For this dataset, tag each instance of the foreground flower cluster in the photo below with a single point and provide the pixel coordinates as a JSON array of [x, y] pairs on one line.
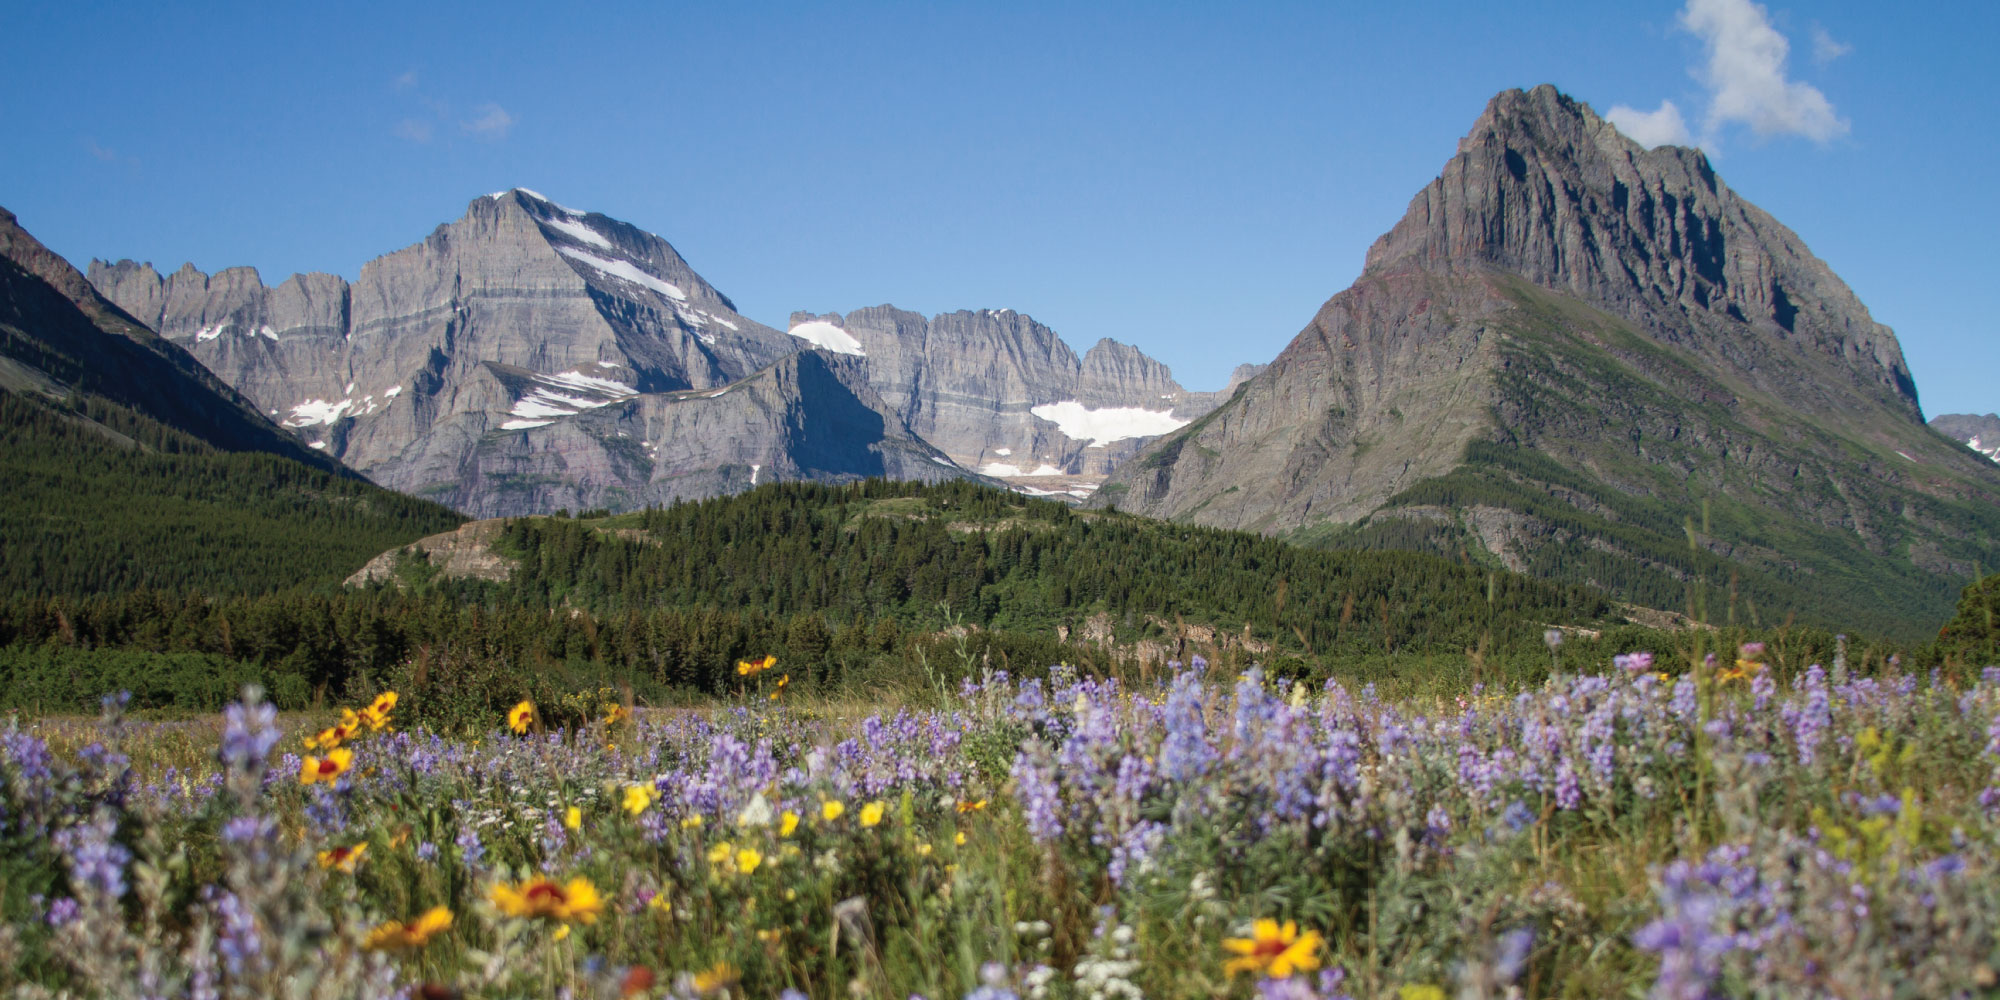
[[1679, 830]]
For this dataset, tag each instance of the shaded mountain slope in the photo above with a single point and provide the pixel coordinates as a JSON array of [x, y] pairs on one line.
[[1598, 363]]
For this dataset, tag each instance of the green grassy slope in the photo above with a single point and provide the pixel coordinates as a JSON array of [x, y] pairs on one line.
[[96, 498]]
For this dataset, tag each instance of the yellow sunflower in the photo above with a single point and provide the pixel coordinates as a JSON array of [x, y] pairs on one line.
[[521, 716], [545, 899], [1274, 950], [394, 935], [329, 768]]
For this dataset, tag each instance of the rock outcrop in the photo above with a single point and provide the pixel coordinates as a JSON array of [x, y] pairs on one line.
[[388, 373], [499, 333], [1001, 393], [63, 342], [1980, 433], [1608, 352]]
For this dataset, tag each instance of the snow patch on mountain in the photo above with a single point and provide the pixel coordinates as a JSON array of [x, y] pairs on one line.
[[578, 232], [625, 270], [822, 334], [1991, 451], [1103, 426], [318, 411], [565, 394]]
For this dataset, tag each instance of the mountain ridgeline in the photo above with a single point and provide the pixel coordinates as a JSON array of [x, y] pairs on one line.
[[1597, 363], [125, 464], [530, 357]]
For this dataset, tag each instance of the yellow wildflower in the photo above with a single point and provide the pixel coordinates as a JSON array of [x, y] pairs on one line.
[[543, 898], [639, 798], [521, 716], [747, 668], [716, 978], [691, 822], [959, 838], [573, 818], [787, 823], [871, 813], [617, 714], [971, 807], [337, 762], [395, 935], [720, 852], [748, 859], [1274, 950], [343, 858], [831, 809]]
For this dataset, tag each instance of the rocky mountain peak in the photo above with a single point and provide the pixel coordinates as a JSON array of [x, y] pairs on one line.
[[1544, 188]]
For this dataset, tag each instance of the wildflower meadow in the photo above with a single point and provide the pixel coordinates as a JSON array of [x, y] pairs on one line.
[[1642, 828]]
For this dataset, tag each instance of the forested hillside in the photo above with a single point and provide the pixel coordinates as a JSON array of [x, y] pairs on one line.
[[998, 559], [96, 498]]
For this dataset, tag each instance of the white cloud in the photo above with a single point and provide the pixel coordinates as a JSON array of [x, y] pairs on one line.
[[101, 152], [1745, 74], [1743, 70], [413, 129], [1664, 127], [491, 122], [407, 80], [1825, 49]]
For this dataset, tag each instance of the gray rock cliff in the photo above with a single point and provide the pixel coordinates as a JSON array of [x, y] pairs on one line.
[[1574, 355]]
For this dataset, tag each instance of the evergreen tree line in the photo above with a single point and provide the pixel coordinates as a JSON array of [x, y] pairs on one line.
[[96, 498]]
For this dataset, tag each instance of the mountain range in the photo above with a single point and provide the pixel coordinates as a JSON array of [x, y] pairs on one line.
[[530, 357], [125, 464], [1980, 433], [1573, 357], [1595, 362]]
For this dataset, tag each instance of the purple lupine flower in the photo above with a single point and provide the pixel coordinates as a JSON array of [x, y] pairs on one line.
[[96, 860], [1569, 792], [470, 850], [1813, 719], [61, 911], [237, 939], [249, 733], [1041, 802]]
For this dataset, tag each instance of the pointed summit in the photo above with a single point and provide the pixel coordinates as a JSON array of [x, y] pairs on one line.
[[1570, 349]]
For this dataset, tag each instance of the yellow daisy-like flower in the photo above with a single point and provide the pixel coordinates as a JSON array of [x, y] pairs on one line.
[[720, 852], [521, 716], [832, 809], [639, 798], [691, 822], [395, 935], [329, 768], [617, 714], [788, 823], [343, 858], [871, 813], [716, 978], [573, 818], [971, 807], [545, 899], [748, 668], [1274, 950], [384, 704], [959, 838], [748, 859], [329, 738]]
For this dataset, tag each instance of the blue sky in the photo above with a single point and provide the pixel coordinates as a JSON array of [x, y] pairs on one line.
[[1191, 178]]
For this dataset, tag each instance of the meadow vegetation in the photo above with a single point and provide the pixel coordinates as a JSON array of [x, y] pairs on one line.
[[1653, 825]]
